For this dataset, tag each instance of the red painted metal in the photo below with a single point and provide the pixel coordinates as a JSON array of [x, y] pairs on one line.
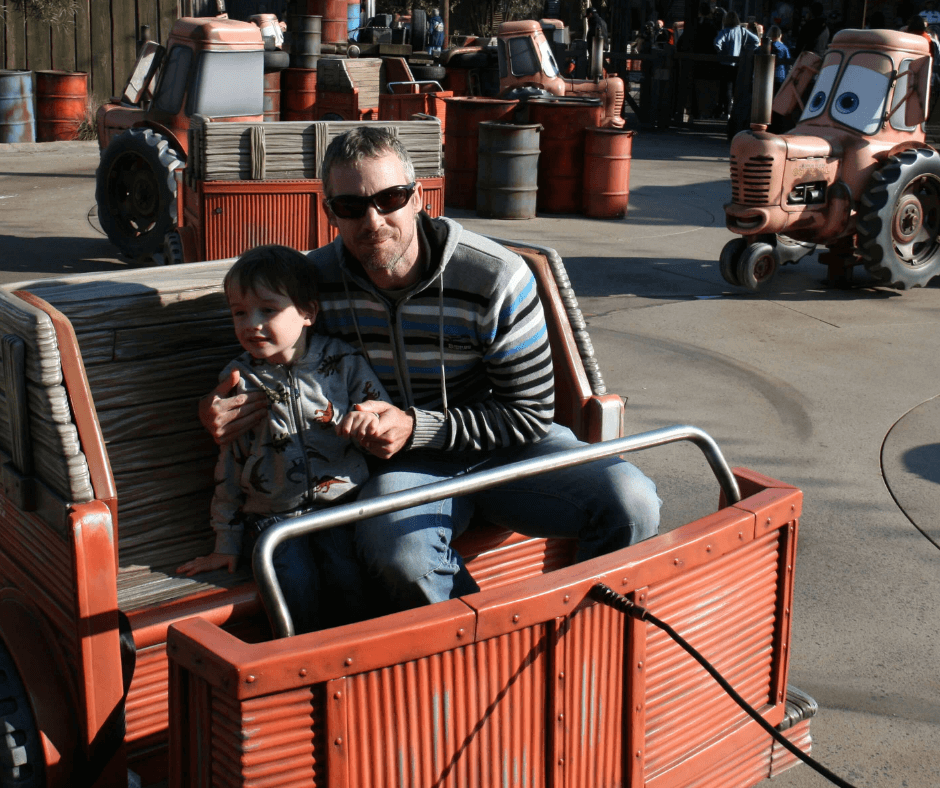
[[298, 94], [561, 164], [230, 217], [334, 27], [61, 104], [461, 140], [530, 684], [607, 155], [272, 97]]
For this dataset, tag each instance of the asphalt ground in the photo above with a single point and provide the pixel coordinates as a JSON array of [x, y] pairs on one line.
[[832, 390]]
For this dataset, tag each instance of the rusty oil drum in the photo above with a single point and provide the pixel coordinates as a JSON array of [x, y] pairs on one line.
[[335, 26], [61, 104], [464, 116], [507, 177], [17, 121], [607, 154], [298, 94], [272, 97], [561, 164], [306, 33]]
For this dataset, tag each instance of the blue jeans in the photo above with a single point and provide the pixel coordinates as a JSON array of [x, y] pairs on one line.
[[319, 574], [606, 505]]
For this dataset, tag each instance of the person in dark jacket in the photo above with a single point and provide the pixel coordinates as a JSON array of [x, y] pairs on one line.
[[814, 34]]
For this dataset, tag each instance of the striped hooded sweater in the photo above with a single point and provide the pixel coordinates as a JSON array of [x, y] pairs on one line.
[[465, 349]]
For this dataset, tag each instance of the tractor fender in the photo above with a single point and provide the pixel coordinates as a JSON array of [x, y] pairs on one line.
[[53, 699], [168, 134], [840, 209], [903, 146]]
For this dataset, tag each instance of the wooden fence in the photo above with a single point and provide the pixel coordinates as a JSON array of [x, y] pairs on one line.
[[99, 37]]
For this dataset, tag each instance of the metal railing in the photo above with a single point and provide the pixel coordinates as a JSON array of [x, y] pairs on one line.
[[263, 557]]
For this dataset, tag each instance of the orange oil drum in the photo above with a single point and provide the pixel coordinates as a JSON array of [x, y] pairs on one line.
[[298, 94], [272, 97], [607, 154], [461, 141], [61, 104], [561, 164], [334, 27]]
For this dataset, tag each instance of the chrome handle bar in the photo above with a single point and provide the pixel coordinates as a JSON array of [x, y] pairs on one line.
[[263, 556]]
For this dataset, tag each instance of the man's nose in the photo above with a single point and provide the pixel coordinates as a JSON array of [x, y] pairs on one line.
[[373, 218]]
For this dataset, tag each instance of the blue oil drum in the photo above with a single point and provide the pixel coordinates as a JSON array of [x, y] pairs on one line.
[[507, 170], [352, 14], [17, 115]]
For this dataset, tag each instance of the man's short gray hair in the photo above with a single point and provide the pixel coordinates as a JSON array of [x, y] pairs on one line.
[[364, 142]]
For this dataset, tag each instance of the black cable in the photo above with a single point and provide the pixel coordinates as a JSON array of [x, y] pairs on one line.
[[608, 596]]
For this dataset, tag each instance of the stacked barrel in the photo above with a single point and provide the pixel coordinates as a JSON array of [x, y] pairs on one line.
[[51, 111], [299, 82], [549, 155]]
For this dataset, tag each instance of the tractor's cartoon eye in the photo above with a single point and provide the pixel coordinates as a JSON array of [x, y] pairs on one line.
[[817, 101], [847, 103]]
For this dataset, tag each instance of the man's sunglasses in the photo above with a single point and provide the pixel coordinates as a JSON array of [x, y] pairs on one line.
[[352, 206]]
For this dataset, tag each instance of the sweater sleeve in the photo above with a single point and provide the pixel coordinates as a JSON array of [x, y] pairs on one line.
[[517, 362], [228, 496]]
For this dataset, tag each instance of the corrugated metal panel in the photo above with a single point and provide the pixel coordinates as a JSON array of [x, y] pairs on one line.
[[592, 748], [470, 717], [238, 222], [29, 543], [747, 765], [727, 608], [147, 699], [530, 557], [799, 735], [272, 741]]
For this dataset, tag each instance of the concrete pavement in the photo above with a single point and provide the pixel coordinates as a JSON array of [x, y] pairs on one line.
[[833, 391]]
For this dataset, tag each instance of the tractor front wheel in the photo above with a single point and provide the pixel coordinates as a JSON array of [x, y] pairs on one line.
[[899, 220], [136, 191], [757, 266], [21, 759], [728, 260]]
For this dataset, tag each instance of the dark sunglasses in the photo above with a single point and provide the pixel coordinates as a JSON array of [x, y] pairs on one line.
[[352, 206]]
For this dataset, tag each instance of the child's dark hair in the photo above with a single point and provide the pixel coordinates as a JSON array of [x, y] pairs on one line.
[[279, 268]]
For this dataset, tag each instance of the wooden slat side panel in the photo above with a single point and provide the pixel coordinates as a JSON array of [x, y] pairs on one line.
[[275, 741], [594, 696], [727, 610], [471, 716]]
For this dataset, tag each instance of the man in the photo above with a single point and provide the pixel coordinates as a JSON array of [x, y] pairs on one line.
[[435, 32], [452, 325], [814, 34]]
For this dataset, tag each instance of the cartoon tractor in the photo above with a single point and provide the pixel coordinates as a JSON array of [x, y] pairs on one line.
[[855, 175]]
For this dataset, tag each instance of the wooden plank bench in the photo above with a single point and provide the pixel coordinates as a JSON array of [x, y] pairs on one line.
[[115, 492]]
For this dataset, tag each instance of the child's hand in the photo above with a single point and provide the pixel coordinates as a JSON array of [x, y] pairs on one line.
[[384, 432], [207, 563], [358, 424]]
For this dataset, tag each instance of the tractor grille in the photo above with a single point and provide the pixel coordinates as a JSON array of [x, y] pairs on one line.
[[750, 180]]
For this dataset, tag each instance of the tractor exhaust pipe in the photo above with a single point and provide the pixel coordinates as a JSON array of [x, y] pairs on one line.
[[762, 97]]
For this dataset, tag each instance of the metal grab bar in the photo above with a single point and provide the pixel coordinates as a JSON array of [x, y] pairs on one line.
[[263, 556], [414, 82]]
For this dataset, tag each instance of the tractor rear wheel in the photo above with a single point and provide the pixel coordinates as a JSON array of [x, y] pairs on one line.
[[899, 220], [136, 191]]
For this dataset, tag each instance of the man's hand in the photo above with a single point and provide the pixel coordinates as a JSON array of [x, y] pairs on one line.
[[227, 418], [380, 428], [207, 563]]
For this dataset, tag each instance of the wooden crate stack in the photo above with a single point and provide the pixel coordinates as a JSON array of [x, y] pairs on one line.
[[362, 74], [294, 149]]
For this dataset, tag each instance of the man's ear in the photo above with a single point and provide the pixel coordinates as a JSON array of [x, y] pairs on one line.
[[419, 198], [329, 215]]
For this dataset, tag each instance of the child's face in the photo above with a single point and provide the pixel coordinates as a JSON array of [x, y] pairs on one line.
[[268, 325]]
